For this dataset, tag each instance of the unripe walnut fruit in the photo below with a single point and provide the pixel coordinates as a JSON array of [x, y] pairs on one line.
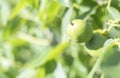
[[95, 42], [79, 31]]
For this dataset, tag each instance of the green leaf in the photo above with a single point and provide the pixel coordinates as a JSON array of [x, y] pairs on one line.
[[60, 71], [50, 66], [41, 73], [8, 52], [36, 3], [5, 13], [113, 13], [21, 4], [80, 69], [55, 53], [3, 75], [43, 57], [48, 11], [11, 28], [30, 39], [65, 21], [98, 18], [26, 73], [18, 42], [110, 64], [64, 2]]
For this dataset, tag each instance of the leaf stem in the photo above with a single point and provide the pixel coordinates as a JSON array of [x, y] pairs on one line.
[[108, 5], [99, 60], [90, 75]]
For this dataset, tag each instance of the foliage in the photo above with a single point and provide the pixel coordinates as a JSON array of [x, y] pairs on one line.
[[34, 43]]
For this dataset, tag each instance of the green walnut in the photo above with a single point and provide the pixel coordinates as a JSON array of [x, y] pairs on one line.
[[79, 31], [95, 42]]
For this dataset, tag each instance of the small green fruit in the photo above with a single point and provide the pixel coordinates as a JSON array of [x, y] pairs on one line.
[[95, 42], [79, 31]]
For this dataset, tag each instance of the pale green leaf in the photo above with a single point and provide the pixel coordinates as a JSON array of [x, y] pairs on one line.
[[41, 73], [48, 11], [21, 4], [113, 13], [65, 21], [111, 62], [80, 69], [5, 13], [64, 2], [55, 53]]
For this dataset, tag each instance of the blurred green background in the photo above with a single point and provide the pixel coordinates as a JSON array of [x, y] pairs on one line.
[[33, 38]]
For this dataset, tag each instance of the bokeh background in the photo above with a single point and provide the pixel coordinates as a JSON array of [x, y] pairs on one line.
[[33, 37]]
